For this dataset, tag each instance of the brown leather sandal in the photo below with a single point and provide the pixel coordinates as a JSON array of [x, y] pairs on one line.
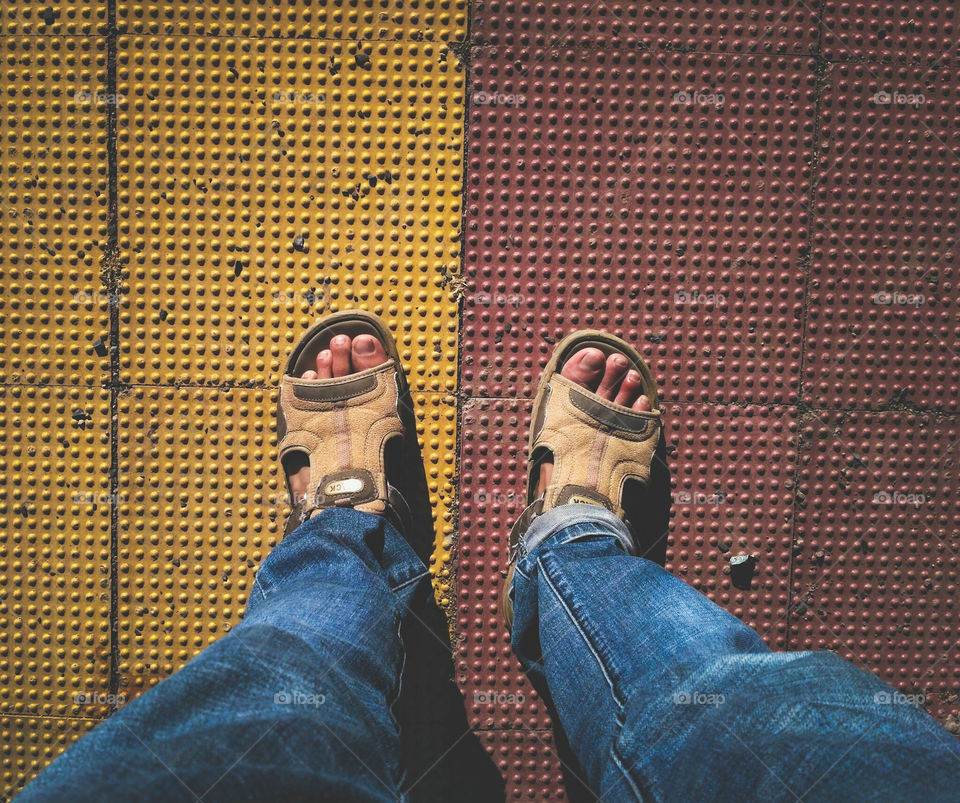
[[342, 425], [598, 446]]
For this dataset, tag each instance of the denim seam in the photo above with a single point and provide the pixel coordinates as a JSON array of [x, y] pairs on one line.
[[583, 635], [619, 722], [405, 583], [402, 779], [615, 756]]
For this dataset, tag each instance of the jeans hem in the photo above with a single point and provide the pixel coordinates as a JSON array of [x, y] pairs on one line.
[[546, 525]]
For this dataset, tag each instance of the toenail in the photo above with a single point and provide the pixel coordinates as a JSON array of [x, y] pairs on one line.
[[340, 340], [365, 346], [593, 361], [619, 359]]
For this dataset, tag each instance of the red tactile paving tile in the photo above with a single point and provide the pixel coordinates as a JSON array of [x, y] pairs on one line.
[[661, 196], [883, 308], [917, 32], [732, 478], [528, 762], [945, 708], [876, 558], [492, 488], [760, 26], [732, 473]]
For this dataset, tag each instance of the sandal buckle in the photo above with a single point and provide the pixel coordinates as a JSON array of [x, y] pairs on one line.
[[346, 489]]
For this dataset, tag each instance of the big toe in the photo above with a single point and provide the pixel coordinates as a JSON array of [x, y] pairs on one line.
[[585, 367], [368, 352]]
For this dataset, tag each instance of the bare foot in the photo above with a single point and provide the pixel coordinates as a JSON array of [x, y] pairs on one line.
[[345, 356], [609, 378]]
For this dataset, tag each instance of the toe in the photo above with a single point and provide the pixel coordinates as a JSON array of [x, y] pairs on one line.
[[616, 367], [324, 365], [368, 352], [309, 375], [642, 404], [340, 351], [629, 389], [585, 368]]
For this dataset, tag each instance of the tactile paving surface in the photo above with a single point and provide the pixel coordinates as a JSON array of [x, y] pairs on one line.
[[54, 550], [528, 762], [352, 20], [492, 475], [200, 508], [51, 18], [886, 31], [263, 182], [876, 566], [28, 744], [884, 314], [708, 206], [732, 472], [640, 208], [762, 26], [53, 211]]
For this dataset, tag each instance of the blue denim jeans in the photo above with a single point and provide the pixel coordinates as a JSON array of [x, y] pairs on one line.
[[663, 695], [293, 704], [660, 693]]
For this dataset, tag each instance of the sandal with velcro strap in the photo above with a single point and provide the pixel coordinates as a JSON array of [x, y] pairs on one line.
[[343, 426], [598, 447]]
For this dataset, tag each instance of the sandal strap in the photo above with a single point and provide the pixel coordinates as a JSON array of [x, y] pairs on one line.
[[397, 512], [530, 512], [344, 425], [597, 445]]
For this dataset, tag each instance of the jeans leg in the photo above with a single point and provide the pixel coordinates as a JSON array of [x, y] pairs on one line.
[[663, 695], [293, 704]]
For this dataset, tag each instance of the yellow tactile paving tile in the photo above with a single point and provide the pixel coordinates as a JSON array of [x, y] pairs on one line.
[[28, 744], [55, 507], [198, 485], [263, 182], [202, 504], [412, 20], [53, 211], [52, 17]]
